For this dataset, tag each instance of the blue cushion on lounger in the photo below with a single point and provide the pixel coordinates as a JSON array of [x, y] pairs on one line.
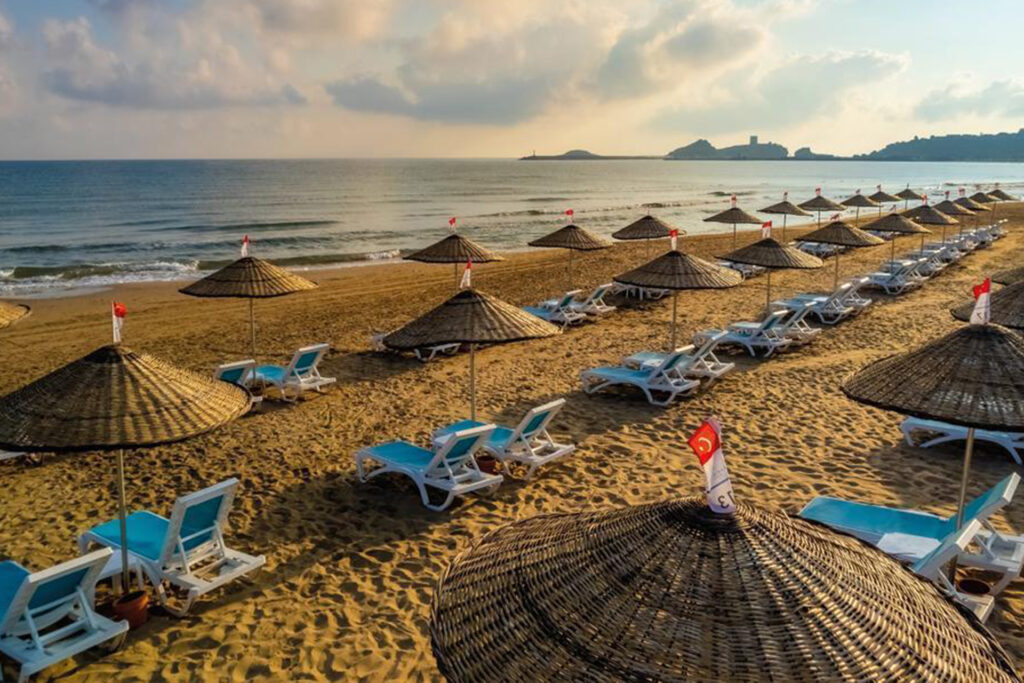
[[146, 533], [12, 575], [403, 453], [274, 373]]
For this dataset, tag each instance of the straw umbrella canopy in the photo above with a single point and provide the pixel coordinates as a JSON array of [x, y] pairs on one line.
[[454, 249], [1000, 195], [951, 208], [907, 195], [928, 215], [11, 313], [843, 235], [769, 254], [858, 202], [882, 197], [670, 591], [973, 377], [819, 204], [574, 238], [1007, 307], [248, 278], [734, 215], [785, 208], [113, 399], [1010, 276], [470, 317], [988, 198], [970, 204], [646, 228], [678, 271], [895, 223]]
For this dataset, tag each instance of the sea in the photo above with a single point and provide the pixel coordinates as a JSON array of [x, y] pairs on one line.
[[70, 226]]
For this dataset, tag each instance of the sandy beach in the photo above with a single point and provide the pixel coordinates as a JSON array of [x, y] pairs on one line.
[[351, 567]]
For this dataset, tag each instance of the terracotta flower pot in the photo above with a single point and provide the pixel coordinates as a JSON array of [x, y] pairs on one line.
[[487, 463], [134, 608]]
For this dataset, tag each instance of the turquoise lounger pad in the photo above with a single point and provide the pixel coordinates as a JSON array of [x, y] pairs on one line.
[[873, 519], [402, 453], [542, 313], [746, 325], [146, 532], [12, 575], [499, 437], [622, 374], [272, 373]]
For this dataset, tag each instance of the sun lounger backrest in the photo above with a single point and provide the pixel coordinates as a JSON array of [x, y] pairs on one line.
[[198, 518], [567, 298], [236, 373], [458, 447], [537, 419], [990, 502], [598, 293], [930, 566], [306, 359], [708, 346], [772, 319], [50, 595]]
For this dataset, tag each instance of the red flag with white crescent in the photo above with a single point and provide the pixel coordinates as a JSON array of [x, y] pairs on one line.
[[982, 312], [245, 246], [569, 213], [467, 276], [706, 443], [766, 229], [674, 236], [118, 311], [451, 223]]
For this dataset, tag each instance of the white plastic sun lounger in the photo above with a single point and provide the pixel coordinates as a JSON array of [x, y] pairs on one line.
[[559, 314], [528, 442], [699, 363], [747, 271], [594, 304], [641, 293], [942, 432], [762, 336], [932, 567], [897, 280], [301, 374], [910, 535], [242, 373], [795, 326], [663, 379], [47, 617], [827, 308], [186, 551], [424, 354], [451, 467]]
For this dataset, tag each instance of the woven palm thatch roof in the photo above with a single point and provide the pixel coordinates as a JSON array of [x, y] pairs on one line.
[[454, 249], [952, 208], [572, 237], [928, 215], [768, 253], [470, 317], [11, 313], [785, 207], [1009, 276], [882, 197], [970, 204], [820, 203], [859, 200], [115, 398], [842, 234], [734, 215], [973, 377], [1001, 196], [894, 222], [676, 270], [671, 592], [646, 228], [248, 278], [1007, 307], [983, 197], [907, 193]]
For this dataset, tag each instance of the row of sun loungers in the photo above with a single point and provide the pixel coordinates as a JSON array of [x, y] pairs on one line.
[[301, 374], [569, 310]]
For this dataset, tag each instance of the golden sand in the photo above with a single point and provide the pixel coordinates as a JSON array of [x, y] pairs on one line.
[[351, 567]]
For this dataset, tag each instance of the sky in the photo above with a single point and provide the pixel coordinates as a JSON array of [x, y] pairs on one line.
[[496, 78]]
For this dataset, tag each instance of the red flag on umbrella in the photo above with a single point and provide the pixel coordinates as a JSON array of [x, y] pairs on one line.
[[674, 236], [834, 217], [706, 442], [766, 229], [245, 246], [118, 311], [451, 222], [467, 275], [817, 191], [982, 312], [569, 213], [732, 200]]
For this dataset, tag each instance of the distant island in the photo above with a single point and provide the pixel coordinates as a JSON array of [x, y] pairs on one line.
[[982, 147]]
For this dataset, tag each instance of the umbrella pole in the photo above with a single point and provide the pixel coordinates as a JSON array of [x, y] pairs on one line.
[[675, 308], [472, 381], [455, 270], [570, 269], [892, 248], [252, 325], [733, 235], [784, 217], [922, 244], [768, 290], [968, 452], [835, 283], [123, 515]]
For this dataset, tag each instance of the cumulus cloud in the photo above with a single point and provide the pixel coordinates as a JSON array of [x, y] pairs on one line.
[[800, 89], [998, 98], [359, 19]]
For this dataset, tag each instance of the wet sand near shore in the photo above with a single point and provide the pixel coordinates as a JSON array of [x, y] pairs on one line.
[[351, 567]]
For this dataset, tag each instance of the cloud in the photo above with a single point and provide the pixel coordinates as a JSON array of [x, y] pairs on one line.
[[798, 90], [358, 19], [998, 98]]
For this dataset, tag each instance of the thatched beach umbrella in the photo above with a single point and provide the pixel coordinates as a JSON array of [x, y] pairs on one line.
[[1007, 307], [678, 271], [11, 313], [673, 592], [907, 194], [734, 215], [785, 208], [454, 249], [987, 198], [882, 197], [1010, 276], [646, 228], [842, 235], [574, 238], [819, 204], [1000, 195], [974, 207], [973, 377], [859, 201], [114, 399], [248, 278], [897, 224], [470, 317], [928, 215], [951, 208], [769, 254]]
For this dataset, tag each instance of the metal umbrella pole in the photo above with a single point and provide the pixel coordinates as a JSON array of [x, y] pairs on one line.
[[252, 324], [123, 515], [768, 290], [472, 381], [675, 305], [968, 452]]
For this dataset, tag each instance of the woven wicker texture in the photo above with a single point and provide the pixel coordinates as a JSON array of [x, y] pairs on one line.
[[984, 197], [470, 317], [907, 193], [838, 232], [768, 253], [882, 197], [646, 228], [1007, 307], [454, 249], [115, 398], [734, 215], [571, 237], [820, 203], [1001, 196], [894, 222], [970, 204], [785, 207], [928, 215], [248, 278], [676, 270], [859, 200], [1010, 276], [11, 313], [951, 208], [670, 592], [973, 376]]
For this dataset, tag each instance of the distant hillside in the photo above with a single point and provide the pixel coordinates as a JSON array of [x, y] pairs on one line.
[[702, 150], [984, 147], [579, 155]]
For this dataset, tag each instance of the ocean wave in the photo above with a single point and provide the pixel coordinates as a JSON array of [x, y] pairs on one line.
[[85, 270], [723, 193], [242, 227], [547, 199]]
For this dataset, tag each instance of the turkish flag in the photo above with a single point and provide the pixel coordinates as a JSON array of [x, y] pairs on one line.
[[451, 221], [569, 213], [674, 234], [705, 442]]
